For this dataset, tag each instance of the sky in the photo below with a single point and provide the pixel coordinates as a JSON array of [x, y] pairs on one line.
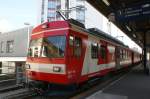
[[14, 13]]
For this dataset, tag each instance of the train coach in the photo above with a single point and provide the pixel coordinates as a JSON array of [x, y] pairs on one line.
[[65, 53]]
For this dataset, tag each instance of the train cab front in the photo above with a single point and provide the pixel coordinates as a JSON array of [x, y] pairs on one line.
[[46, 59]]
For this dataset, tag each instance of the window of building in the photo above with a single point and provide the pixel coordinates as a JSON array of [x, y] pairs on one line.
[[52, 4], [103, 52], [77, 47], [51, 14], [94, 50], [10, 46], [2, 47], [51, 19], [58, 4]]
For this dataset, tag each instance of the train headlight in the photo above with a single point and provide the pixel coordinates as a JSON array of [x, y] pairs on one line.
[[27, 66], [56, 69]]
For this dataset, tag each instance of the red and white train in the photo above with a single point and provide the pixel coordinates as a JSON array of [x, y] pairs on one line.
[[65, 53]]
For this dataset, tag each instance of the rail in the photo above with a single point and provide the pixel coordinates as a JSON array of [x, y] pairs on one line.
[[18, 93]]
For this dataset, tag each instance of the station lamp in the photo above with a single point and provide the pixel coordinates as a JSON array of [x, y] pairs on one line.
[[129, 29], [28, 31], [134, 35], [106, 2]]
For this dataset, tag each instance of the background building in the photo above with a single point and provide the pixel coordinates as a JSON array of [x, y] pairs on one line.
[[13, 51], [70, 8], [77, 9], [47, 10], [82, 11], [14, 44]]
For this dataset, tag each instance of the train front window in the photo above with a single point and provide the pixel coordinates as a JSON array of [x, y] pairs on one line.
[[35, 48], [54, 47]]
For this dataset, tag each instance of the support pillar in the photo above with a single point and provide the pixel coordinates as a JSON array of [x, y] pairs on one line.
[[19, 73], [146, 70], [0, 67], [67, 8], [149, 57]]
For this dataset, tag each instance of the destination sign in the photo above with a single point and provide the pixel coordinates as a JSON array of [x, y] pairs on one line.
[[132, 13]]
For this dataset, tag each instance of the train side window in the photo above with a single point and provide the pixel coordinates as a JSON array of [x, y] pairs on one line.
[[71, 40], [127, 54], [121, 54], [103, 52], [77, 47], [94, 50], [124, 54], [71, 43]]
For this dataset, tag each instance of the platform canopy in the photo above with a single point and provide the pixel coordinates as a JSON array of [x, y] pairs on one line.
[[131, 16]]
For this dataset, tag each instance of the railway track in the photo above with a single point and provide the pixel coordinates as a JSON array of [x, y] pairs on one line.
[[19, 92], [15, 92]]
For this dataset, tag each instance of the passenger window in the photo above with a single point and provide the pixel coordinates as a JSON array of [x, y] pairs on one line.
[[121, 54], [36, 52], [71, 43], [30, 52], [124, 54], [77, 47], [94, 50], [71, 39], [103, 52]]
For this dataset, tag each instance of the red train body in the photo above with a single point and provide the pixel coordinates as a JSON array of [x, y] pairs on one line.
[[63, 53]]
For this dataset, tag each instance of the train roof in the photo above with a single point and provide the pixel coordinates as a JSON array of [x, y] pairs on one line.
[[80, 26], [97, 32]]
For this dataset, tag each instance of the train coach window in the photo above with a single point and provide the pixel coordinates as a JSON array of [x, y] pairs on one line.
[[30, 53], [103, 52], [71, 39], [121, 54], [77, 47], [94, 50], [124, 54], [127, 55], [71, 43]]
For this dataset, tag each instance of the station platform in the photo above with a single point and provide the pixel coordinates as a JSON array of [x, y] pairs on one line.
[[133, 85]]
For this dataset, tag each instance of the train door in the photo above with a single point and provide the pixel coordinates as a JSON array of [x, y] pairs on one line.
[[75, 56], [103, 53], [117, 59], [111, 56]]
